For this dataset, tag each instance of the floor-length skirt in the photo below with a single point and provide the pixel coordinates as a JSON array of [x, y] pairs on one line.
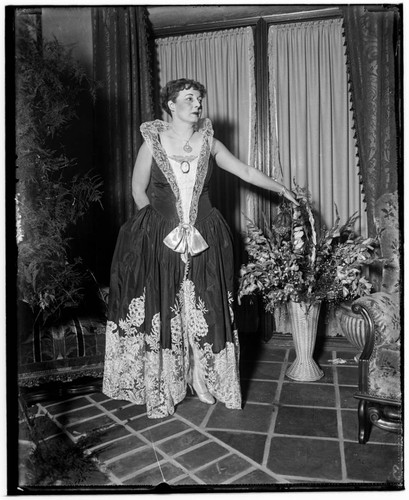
[[161, 308]]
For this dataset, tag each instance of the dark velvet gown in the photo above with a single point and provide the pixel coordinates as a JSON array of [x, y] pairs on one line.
[[163, 302]]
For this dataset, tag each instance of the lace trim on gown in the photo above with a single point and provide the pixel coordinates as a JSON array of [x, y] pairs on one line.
[[202, 168], [150, 132]]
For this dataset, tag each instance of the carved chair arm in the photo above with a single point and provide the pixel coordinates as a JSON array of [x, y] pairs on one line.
[[380, 312]]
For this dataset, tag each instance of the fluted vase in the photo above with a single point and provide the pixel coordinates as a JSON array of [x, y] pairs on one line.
[[304, 322], [352, 326]]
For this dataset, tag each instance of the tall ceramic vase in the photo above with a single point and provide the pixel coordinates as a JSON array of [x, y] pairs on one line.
[[304, 322]]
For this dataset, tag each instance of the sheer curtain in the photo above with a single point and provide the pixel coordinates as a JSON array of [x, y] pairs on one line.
[[223, 62], [311, 121]]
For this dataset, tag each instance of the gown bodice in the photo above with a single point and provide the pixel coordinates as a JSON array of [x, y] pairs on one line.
[[172, 195]]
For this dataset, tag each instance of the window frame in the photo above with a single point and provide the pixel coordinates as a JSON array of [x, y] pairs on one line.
[[260, 26]]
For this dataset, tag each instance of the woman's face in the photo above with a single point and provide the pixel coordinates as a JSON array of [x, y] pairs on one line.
[[188, 105]]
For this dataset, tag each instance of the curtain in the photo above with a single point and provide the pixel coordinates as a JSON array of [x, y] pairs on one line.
[[122, 47], [223, 62], [311, 121], [371, 44]]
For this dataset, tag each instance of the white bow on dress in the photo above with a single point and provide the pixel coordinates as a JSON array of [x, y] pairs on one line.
[[186, 239]]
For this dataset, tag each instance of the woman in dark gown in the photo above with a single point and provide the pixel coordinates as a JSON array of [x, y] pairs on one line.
[[170, 321]]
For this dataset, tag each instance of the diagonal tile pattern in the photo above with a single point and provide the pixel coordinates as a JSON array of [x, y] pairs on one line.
[[288, 433]]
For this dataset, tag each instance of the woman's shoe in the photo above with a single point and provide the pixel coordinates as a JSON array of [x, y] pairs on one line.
[[200, 388], [196, 380], [205, 397]]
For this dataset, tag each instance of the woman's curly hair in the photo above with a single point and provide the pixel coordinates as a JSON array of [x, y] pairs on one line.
[[171, 90]]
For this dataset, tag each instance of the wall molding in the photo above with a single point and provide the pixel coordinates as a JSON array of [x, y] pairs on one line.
[[178, 30]]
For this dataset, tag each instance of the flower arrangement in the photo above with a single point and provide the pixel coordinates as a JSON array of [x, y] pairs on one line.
[[290, 261]]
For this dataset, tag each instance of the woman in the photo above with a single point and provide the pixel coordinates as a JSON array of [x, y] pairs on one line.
[[170, 322]]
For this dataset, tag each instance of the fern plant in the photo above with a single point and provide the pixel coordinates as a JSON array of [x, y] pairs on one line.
[[51, 196]]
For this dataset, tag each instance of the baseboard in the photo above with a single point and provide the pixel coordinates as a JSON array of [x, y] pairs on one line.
[[57, 390], [285, 340]]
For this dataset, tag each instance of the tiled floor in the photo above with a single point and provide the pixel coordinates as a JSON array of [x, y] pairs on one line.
[[287, 434]]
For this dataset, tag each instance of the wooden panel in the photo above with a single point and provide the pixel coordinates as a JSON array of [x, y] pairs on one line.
[[178, 20]]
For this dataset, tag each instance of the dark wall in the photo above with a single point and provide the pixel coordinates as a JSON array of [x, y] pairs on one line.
[[72, 27]]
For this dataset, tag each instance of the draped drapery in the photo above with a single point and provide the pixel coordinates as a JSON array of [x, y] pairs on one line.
[[122, 68], [311, 121], [371, 43], [223, 62]]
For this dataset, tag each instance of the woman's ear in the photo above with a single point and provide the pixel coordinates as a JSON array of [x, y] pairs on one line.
[[171, 105]]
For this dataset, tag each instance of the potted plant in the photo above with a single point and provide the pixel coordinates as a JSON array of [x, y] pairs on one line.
[[293, 263], [51, 195]]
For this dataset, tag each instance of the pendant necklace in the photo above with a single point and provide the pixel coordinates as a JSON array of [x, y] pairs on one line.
[[184, 162], [187, 147]]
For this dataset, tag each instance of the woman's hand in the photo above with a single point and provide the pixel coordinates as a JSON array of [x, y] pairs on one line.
[[289, 195]]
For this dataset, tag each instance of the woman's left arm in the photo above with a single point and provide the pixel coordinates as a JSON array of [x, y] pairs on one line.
[[227, 161]]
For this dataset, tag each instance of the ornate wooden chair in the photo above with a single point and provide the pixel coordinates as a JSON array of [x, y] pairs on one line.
[[380, 385], [65, 357]]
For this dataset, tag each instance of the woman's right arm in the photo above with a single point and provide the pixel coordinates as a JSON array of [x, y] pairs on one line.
[[141, 176]]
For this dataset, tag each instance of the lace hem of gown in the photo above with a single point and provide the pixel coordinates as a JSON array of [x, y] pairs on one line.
[[137, 369]]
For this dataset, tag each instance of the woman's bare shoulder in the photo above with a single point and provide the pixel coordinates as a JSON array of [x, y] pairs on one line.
[[217, 146]]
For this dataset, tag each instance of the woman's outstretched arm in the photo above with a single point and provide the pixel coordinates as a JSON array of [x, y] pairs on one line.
[[227, 161]]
